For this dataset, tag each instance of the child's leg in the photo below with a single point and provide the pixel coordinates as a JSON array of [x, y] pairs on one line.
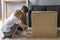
[[9, 34], [14, 29], [3, 36]]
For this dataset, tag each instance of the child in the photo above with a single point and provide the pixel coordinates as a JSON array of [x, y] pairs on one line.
[[13, 22]]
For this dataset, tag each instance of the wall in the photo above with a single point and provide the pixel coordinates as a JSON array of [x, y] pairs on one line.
[[12, 6], [0, 10], [45, 2]]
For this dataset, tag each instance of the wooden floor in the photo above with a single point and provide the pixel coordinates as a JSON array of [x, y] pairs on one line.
[[25, 37], [36, 39]]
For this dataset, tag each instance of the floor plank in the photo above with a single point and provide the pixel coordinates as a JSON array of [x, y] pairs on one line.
[[50, 38]]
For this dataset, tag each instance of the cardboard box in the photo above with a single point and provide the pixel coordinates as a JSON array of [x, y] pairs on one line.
[[44, 24]]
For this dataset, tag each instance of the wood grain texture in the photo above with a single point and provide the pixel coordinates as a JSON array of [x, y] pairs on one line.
[[44, 24]]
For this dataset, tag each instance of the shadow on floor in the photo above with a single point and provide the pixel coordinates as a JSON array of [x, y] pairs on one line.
[[58, 33]]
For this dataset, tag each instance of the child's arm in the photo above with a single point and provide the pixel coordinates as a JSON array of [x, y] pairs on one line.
[[23, 26]]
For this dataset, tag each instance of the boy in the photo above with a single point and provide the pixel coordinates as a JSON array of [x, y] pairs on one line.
[[13, 22]]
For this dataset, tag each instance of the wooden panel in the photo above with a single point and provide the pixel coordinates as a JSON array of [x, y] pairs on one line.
[[44, 24], [27, 1], [4, 12], [15, 0], [8, 14]]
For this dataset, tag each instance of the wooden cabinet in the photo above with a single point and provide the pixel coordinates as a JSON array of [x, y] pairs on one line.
[[44, 24]]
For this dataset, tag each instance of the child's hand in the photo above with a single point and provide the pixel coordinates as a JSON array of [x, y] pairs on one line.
[[25, 26]]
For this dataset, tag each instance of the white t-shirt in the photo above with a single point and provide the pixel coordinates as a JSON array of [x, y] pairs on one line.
[[10, 21]]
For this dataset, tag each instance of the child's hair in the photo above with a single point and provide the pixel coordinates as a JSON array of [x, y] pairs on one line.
[[25, 9], [18, 12]]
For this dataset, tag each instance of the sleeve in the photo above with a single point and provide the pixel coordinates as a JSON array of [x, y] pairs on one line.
[[17, 21]]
